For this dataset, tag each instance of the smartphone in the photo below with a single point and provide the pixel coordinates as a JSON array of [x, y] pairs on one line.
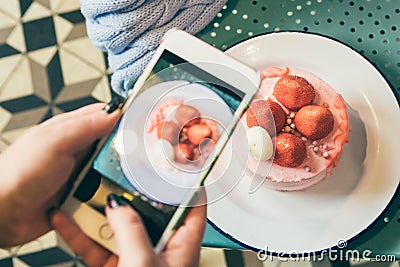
[[175, 122]]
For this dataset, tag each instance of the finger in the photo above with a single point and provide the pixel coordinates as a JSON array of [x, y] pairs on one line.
[[92, 253], [183, 249], [130, 233], [75, 134], [190, 234], [186, 242], [61, 118]]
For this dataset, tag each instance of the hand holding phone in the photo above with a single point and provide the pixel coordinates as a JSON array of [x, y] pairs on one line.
[[134, 245], [175, 123]]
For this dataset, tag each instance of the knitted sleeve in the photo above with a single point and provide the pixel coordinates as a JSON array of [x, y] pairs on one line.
[[130, 30]]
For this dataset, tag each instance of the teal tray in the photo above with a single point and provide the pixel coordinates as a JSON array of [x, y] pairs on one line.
[[370, 27]]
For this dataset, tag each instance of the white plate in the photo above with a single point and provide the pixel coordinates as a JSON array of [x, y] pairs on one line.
[[345, 204], [160, 180]]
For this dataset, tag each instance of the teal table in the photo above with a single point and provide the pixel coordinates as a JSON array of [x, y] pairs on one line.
[[369, 27]]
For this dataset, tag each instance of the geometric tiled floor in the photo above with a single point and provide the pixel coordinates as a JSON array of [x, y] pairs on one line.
[[48, 66]]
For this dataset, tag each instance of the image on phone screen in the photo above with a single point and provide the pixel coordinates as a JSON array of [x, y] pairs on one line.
[[164, 142]]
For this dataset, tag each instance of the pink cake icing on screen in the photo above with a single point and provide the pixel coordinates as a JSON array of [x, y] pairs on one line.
[[297, 126]]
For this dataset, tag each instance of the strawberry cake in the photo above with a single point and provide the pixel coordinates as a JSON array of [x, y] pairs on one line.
[[296, 128], [183, 136]]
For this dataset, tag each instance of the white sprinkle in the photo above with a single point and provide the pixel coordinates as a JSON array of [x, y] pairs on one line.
[[304, 139], [292, 126]]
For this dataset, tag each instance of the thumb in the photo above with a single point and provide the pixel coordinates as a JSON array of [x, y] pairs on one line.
[[82, 127], [135, 248]]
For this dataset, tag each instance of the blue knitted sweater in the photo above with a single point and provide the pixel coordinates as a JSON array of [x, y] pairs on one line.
[[130, 30]]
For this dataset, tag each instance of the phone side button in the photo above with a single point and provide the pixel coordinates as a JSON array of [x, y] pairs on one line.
[[105, 232]]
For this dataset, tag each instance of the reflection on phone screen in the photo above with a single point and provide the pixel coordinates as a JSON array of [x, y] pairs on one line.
[[164, 142]]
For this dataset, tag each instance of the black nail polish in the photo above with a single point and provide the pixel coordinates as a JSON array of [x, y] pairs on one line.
[[115, 201], [112, 106]]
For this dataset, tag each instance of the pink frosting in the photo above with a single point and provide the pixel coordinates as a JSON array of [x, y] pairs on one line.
[[315, 167], [273, 72], [161, 112], [343, 133]]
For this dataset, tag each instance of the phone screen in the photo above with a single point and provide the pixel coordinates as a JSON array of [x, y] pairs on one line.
[[163, 142]]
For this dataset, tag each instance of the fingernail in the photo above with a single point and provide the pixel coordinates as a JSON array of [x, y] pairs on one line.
[[111, 106], [115, 201]]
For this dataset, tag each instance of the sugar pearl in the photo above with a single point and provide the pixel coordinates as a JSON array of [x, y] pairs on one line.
[[308, 169], [289, 121], [304, 139], [325, 154], [292, 126], [315, 143], [315, 149], [324, 147], [288, 129], [292, 115]]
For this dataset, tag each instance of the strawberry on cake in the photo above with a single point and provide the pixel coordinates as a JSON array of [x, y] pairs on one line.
[[297, 126]]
